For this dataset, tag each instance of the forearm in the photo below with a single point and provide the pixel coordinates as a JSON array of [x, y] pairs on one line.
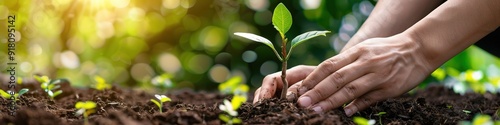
[[454, 26], [390, 17]]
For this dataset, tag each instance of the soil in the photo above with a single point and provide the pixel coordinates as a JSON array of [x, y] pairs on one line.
[[121, 106]]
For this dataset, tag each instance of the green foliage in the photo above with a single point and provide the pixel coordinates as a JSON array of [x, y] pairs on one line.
[[379, 114], [480, 119], [234, 86], [230, 109], [162, 81], [86, 108], [101, 84], [49, 86], [362, 121], [161, 100], [282, 19], [7, 95], [304, 37]]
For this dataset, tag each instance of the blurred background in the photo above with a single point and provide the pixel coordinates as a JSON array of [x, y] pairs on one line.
[[190, 43]]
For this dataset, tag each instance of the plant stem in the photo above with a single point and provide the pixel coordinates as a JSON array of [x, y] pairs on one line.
[[161, 106], [283, 69]]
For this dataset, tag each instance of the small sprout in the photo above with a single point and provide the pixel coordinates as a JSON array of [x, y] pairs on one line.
[[282, 21], [101, 84], [49, 86], [379, 114], [163, 81], [7, 95], [161, 100], [466, 112], [363, 121], [230, 109], [234, 86], [449, 106], [480, 119], [85, 108]]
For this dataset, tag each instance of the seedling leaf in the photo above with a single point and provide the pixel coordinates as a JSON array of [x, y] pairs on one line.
[[165, 99], [363, 121], [4, 94], [306, 36], [236, 120], [156, 102], [282, 19], [224, 117], [56, 93], [258, 38], [22, 91]]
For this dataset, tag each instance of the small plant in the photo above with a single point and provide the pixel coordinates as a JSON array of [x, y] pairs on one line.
[[101, 84], [282, 21], [50, 86], [161, 100], [86, 108], [7, 95], [466, 112], [379, 114], [230, 108], [234, 86], [480, 119], [162, 81], [363, 121]]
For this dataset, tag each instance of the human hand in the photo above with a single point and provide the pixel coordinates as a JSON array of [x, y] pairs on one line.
[[373, 70], [272, 83]]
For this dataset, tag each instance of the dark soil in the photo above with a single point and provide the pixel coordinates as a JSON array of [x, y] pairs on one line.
[[118, 106]]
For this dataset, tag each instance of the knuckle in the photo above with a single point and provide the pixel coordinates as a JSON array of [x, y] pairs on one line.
[[350, 91], [337, 78], [318, 94]]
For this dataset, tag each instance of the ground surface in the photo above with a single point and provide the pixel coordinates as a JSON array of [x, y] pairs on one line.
[[435, 105]]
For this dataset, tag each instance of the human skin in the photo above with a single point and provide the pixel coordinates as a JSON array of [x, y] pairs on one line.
[[393, 52]]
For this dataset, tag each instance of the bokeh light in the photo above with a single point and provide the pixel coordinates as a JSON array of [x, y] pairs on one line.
[[219, 73], [310, 4], [169, 63], [268, 67]]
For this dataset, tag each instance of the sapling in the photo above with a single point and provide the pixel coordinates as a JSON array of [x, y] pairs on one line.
[[86, 108], [363, 121], [379, 114], [230, 108], [50, 86], [282, 21], [161, 100], [101, 84], [7, 95]]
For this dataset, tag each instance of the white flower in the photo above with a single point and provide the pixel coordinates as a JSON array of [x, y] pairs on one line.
[[227, 107]]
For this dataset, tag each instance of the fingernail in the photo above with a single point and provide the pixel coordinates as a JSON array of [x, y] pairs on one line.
[[348, 112], [304, 101], [302, 90], [318, 109]]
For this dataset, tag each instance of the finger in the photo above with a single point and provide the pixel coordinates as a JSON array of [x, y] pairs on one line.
[[327, 67], [273, 81], [347, 93], [333, 83], [363, 102], [256, 95], [292, 92]]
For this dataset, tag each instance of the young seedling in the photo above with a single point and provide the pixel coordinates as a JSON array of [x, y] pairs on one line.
[[7, 95], [379, 114], [230, 108], [49, 86], [161, 100], [480, 119], [363, 121], [101, 84], [234, 86], [282, 21], [162, 81], [85, 108]]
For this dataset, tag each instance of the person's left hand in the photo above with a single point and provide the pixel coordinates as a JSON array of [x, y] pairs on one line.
[[373, 70]]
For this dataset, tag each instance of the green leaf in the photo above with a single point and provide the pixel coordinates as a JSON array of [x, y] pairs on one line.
[[237, 101], [57, 93], [79, 105], [282, 19], [22, 91], [156, 102], [89, 105], [236, 121], [4, 94], [164, 99], [260, 39], [224, 117], [304, 37]]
